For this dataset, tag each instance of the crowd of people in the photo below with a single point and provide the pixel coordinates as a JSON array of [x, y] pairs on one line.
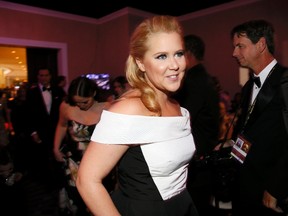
[[138, 149]]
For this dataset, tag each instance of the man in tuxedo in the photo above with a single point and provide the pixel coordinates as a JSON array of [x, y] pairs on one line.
[[262, 180], [43, 101], [199, 95]]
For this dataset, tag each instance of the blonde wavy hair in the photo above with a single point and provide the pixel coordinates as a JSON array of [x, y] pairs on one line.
[[138, 48]]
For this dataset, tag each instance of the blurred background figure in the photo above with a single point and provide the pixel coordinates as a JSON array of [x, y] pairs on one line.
[[11, 194], [106, 95], [120, 85], [20, 140], [61, 83], [43, 101], [5, 121], [226, 124], [235, 102], [224, 95]]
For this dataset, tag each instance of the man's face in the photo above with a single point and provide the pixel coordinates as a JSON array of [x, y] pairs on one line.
[[245, 51], [44, 77]]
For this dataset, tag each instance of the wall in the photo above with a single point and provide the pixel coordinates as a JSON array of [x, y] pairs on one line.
[[101, 46], [214, 28], [114, 36]]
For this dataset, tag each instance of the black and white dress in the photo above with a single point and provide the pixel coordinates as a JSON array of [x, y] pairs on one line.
[[153, 172]]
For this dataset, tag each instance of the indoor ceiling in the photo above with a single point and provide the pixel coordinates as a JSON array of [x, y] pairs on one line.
[[13, 61], [90, 9]]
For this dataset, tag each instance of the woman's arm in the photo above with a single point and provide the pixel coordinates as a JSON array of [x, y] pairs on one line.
[[96, 164], [60, 132]]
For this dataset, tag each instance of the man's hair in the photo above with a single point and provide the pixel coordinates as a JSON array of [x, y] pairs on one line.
[[195, 45], [254, 30]]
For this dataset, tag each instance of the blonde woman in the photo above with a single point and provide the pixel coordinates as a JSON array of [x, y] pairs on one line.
[[145, 132]]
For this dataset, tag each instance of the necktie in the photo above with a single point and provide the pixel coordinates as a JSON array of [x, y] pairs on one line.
[[257, 81], [46, 88]]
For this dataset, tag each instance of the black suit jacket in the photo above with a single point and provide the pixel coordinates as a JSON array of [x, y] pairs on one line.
[[199, 96], [39, 119], [266, 164]]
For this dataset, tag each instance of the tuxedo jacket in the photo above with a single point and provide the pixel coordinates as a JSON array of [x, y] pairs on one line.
[[39, 119], [266, 164], [199, 96]]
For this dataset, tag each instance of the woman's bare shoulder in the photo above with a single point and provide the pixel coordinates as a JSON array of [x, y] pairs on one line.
[[129, 104], [64, 106]]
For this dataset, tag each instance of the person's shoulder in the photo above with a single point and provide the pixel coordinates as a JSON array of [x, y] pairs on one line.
[[55, 88], [198, 72], [129, 106], [130, 103], [103, 105], [33, 88], [66, 108], [64, 104]]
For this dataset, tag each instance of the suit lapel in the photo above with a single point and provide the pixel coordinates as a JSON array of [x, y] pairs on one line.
[[267, 92], [244, 104]]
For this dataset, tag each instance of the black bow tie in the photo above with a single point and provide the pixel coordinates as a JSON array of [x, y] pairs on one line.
[[46, 88], [257, 81]]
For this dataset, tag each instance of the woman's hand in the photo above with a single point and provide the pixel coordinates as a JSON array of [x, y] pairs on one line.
[[59, 156]]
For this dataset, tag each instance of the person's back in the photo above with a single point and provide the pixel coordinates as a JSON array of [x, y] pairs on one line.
[[198, 94]]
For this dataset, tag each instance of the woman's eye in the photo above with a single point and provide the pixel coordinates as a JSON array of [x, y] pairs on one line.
[[180, 54], [162, 56]]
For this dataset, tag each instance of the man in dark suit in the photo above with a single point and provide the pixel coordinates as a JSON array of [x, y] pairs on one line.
[[198, 94], [43, 101], [262, 180]]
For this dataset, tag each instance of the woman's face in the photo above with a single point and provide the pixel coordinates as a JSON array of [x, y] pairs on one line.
[[164, 63], [84, 103]]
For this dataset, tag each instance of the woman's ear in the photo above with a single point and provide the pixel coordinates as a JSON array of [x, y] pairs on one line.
[[140, 65]]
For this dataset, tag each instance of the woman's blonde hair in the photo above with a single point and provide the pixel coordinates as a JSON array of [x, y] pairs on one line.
[[138, 48]]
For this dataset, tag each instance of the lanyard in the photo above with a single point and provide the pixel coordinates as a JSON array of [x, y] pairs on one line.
[[251, 107]]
